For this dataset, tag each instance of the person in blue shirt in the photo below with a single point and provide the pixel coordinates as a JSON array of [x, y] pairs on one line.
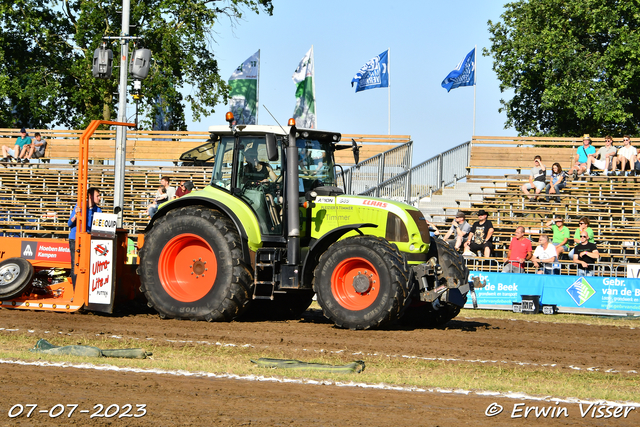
[[582, 156], [93, 202], [22, 141]]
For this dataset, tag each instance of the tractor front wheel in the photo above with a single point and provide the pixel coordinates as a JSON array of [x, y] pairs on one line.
[[361, 282], [15, 277], [192, 266]]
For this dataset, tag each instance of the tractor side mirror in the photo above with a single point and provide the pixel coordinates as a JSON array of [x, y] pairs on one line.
[[356, 150], [272, 147]]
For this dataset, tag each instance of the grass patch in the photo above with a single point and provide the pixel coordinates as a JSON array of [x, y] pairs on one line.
[[582, 319], [193, 357]]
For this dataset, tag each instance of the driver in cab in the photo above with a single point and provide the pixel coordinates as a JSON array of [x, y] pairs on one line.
[[256, 171]]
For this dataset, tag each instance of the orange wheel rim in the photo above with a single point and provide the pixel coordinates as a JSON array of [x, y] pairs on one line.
[[187, 267], [355, 283]]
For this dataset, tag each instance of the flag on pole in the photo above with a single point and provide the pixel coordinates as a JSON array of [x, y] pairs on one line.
[[373, 74], [464, 73], [244, 91], [305, 111]]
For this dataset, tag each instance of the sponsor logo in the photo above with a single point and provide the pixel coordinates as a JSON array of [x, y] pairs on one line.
[[375, 203], [101, 250], [27, 252], [580, 291]]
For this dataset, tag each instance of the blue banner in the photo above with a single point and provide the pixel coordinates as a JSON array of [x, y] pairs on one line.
[[373, 74], [570, 294], [463, 75]]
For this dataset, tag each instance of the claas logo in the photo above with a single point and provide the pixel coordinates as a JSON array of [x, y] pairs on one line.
[[101, 250]]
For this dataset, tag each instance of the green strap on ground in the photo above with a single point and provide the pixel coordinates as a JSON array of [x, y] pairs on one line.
[[357, 366], [44, 346]]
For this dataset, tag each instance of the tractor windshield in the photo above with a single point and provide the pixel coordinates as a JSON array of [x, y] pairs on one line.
[[315, 164], [223, 149]]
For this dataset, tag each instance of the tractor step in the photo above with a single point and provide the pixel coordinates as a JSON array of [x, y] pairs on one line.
[[266, 272]]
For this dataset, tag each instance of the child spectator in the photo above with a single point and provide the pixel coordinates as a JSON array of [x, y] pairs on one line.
[[558, 181], [537, 178]]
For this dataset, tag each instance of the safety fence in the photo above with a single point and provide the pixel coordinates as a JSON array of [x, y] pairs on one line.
[[564, 268], [425, 178]]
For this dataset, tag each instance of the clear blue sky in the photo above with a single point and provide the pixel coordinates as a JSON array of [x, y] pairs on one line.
[[427, 40]]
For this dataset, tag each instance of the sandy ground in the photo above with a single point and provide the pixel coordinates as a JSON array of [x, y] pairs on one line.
[[173, 400]]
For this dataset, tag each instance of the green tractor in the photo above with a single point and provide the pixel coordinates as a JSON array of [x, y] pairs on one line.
[[274, 228]]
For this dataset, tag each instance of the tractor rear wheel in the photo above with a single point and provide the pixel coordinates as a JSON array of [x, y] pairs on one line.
[[15, 277], [361, 282], [192, 266]]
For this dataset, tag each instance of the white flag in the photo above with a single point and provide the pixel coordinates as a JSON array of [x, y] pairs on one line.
[[305, 111], [244, 84]]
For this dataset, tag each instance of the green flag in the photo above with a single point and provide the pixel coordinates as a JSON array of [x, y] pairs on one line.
[[244, 84], [305, 111]]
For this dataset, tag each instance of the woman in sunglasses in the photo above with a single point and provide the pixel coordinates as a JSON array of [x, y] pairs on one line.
[[585, 255], [583, 228]]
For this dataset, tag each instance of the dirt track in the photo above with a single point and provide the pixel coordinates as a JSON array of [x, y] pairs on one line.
[[175, 400]]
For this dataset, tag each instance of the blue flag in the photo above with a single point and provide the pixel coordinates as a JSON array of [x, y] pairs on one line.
[[463, 75], [373, 74]]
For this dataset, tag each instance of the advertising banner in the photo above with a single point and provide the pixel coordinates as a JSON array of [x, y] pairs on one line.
[[571, 294], [101, 280]]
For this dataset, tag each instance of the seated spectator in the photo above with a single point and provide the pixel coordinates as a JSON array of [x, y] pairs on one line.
[[604, 159], [161, 197], [537, 178], [185, 187], [21, 142], [582, 156], [561, 235], [36, 150], [585, 255], [627, 157], [481, 235], [458, 232], [519, 252], [583, 226], [558, 182], [545, 256]]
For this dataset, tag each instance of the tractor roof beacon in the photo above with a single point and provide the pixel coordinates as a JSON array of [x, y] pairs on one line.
[[273, 228]]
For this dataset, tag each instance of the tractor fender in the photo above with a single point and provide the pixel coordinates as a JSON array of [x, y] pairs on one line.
[[185, 201], [318, 247]]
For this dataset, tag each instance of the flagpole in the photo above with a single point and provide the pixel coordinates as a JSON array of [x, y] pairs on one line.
[[313, 83], [258, 90], [475, 79], [389, 86]]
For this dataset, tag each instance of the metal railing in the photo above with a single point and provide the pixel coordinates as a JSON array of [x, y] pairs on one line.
[[423, 179], [376, 169], [600, 269]]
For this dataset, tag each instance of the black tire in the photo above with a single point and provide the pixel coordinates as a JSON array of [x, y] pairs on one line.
[[173, 269], [15, 277], [361, 283]]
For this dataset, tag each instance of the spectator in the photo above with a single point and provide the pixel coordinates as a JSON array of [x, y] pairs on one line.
[[627, 156], [519, 252], [459, 229], [582, 156], [22, 141], [185, 187], [545, 256], [481, 235], [558, 182], [93, 202], [583, 226], [161, 197], [537, 178], [561, 235], [586, 255], [35, 150], [605, 159]]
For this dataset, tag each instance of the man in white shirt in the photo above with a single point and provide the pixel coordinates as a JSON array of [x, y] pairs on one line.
[[545, 256], [627, 156]]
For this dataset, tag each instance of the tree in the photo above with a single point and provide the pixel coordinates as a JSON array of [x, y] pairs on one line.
[[46, 50], [573, 66]]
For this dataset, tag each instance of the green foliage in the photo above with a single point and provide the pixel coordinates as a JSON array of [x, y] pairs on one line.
[[46, 50], [573, 66]]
